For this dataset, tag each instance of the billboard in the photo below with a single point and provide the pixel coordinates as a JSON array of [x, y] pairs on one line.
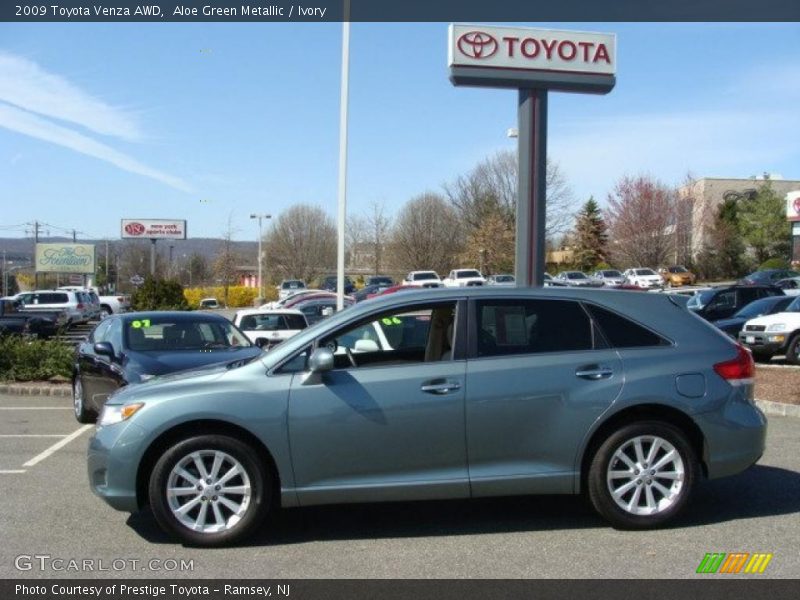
[[154, 229], [65, 258], [793, 206]]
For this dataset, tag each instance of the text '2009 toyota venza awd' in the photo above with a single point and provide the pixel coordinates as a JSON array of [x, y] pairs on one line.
[[436, 394]]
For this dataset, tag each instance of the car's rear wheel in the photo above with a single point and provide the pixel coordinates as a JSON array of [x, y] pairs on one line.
[[210, 490], [642, 475], [82, 413]]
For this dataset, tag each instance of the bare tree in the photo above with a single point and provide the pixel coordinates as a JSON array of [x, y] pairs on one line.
[[377, 224], [356, 235], [302, 242], [226, 261], [490, 188], [426, 235], [641, 219]]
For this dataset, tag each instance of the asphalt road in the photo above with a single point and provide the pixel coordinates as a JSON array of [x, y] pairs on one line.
[[48, 509]]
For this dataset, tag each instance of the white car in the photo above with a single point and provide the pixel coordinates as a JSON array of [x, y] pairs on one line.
[[504, 279], [464, 278], [427, 279], [268, 328], [776, 334], [75, 304], [109, 305], [609, 277], [644, 278], [289, 287]]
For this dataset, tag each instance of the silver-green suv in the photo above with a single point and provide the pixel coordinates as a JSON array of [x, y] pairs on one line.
[[624, 396]]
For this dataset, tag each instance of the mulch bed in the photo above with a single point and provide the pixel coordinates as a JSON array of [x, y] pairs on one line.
[[778, 384]]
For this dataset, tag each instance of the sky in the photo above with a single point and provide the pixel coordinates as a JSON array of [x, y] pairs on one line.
[[211, 122]]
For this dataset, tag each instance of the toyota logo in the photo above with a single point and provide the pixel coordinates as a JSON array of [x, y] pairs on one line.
[[134, 229], [477, 44]]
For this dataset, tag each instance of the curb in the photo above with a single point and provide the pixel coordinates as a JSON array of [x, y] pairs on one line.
[[64, 391], [778, 409]]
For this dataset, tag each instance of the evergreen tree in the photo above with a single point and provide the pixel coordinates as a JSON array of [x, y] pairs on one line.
[[591, 237], [762, 223]]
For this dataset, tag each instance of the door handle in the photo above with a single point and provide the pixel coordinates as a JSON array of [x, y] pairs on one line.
[[594, 372], [440, 388]]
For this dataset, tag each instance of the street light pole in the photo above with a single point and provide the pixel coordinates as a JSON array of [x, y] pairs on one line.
[[260, 216]]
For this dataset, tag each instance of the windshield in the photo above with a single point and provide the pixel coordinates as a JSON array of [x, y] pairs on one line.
[[576, 275], [160, 334], [507, 278], [701, 299], [612, 274], [292, 285], [678, 270], [272, 322], [794, 306], [645, 272], [422, 276], [754, 309], [467, 274]]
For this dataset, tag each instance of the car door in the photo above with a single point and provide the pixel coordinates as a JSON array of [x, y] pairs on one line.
[[391, 427], [110, 374], [89, 362], [538, 376]]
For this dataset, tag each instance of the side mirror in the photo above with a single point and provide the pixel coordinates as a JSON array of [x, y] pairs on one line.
[[104, 349], [321, 360], [261, 342]]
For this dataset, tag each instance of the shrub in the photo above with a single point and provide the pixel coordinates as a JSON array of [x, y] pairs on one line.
[[238, 295], [774, 263], [159, 294], [22, 359]]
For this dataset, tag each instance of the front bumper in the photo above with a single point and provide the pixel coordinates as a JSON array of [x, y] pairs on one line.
[[761, 342], [112, 463]]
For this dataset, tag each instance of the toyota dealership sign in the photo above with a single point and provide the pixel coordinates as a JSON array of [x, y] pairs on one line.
[[154, 229], [523, 56]]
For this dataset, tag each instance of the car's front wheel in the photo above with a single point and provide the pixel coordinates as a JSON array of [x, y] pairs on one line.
[[793, 351], [642, 475], [82, 413], [210, 490]]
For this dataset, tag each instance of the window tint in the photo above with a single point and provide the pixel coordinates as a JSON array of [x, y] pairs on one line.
[[621, 332], [100, 332], [747, 295], [115, 335], [272, 322], [50, 298], [530, 326]]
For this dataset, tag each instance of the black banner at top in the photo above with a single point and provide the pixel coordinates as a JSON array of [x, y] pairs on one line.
[[396, 10]]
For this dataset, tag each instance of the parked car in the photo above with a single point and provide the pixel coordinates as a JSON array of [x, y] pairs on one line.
[[550, 281], [370, 290], [790, 286], [400, 287], [318, 306], [775, 334], [330, 283], [426, 279], [464, 278], [723, 302], [625, 397], [289, 287], [765, 306], [42, 325], [503, 279], [577, 279], [77, 309], [136, 347], [268, 328], [210, 304], [381, 280], [109, 304], [643, 278], [677, 275], [293, 298], [767, 276], [609, 277]]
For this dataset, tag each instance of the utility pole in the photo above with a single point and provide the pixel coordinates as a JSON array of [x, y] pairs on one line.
[[106, 265], [260, 216], [5, 275], [35, 231]]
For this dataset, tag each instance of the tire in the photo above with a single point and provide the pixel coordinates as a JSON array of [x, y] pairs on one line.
[[652, 501], [793, 351], [82, 413], [235, 515]]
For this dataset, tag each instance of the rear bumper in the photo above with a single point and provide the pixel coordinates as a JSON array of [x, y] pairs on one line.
[[735, 437]]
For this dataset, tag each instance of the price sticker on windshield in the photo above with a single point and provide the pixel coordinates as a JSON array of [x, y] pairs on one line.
[[141, 324], [391, 321]]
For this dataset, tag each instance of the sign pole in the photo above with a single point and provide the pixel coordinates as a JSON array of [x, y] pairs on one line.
[[531, 187], [153, 257]]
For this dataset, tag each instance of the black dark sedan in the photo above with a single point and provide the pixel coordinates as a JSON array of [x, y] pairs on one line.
[[135, 347], [765, 306]]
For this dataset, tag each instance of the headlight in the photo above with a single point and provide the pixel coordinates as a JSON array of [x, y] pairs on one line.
[[777, 327], [117, 413]]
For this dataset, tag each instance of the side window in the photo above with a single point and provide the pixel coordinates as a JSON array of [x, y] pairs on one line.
[[100, 332], [115, 335], [623, 333], [424, 333], [723, 300], [296, 364], [746, 296], [519, 326]]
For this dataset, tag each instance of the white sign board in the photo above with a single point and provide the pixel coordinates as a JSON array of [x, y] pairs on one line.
[[65, 258], [793, 206], [525, 49], [154, 229]]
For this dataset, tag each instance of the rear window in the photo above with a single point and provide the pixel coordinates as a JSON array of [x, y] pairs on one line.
[[272, 322], [467, 274], [612, 274], [645, 272], [422, 276], [621, 332]]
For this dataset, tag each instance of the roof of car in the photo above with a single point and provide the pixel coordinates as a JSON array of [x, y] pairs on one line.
[[174, 315], [268, 311]]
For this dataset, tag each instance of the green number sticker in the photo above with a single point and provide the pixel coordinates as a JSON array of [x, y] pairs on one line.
[[386, 321], [389, 321], [139, 324]]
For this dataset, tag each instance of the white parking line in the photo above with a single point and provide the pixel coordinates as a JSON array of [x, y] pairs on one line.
[[11, 471], [32, 435], [35, 408], [57, 446]]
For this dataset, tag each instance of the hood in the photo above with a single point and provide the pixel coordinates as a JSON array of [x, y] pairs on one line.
[[765, 320], [162, 363], [726, 323]]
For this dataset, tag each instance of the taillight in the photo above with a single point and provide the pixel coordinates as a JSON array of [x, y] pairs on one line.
[[80, 306], [741, 367]]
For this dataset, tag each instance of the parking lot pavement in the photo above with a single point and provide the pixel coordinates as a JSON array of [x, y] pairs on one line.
[[49, 510]]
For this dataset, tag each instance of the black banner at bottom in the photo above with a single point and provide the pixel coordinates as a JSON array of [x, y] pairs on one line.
[[402, 589]]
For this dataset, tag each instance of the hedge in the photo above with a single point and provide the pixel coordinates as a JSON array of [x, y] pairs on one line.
[[238, 295], [22, 359]]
